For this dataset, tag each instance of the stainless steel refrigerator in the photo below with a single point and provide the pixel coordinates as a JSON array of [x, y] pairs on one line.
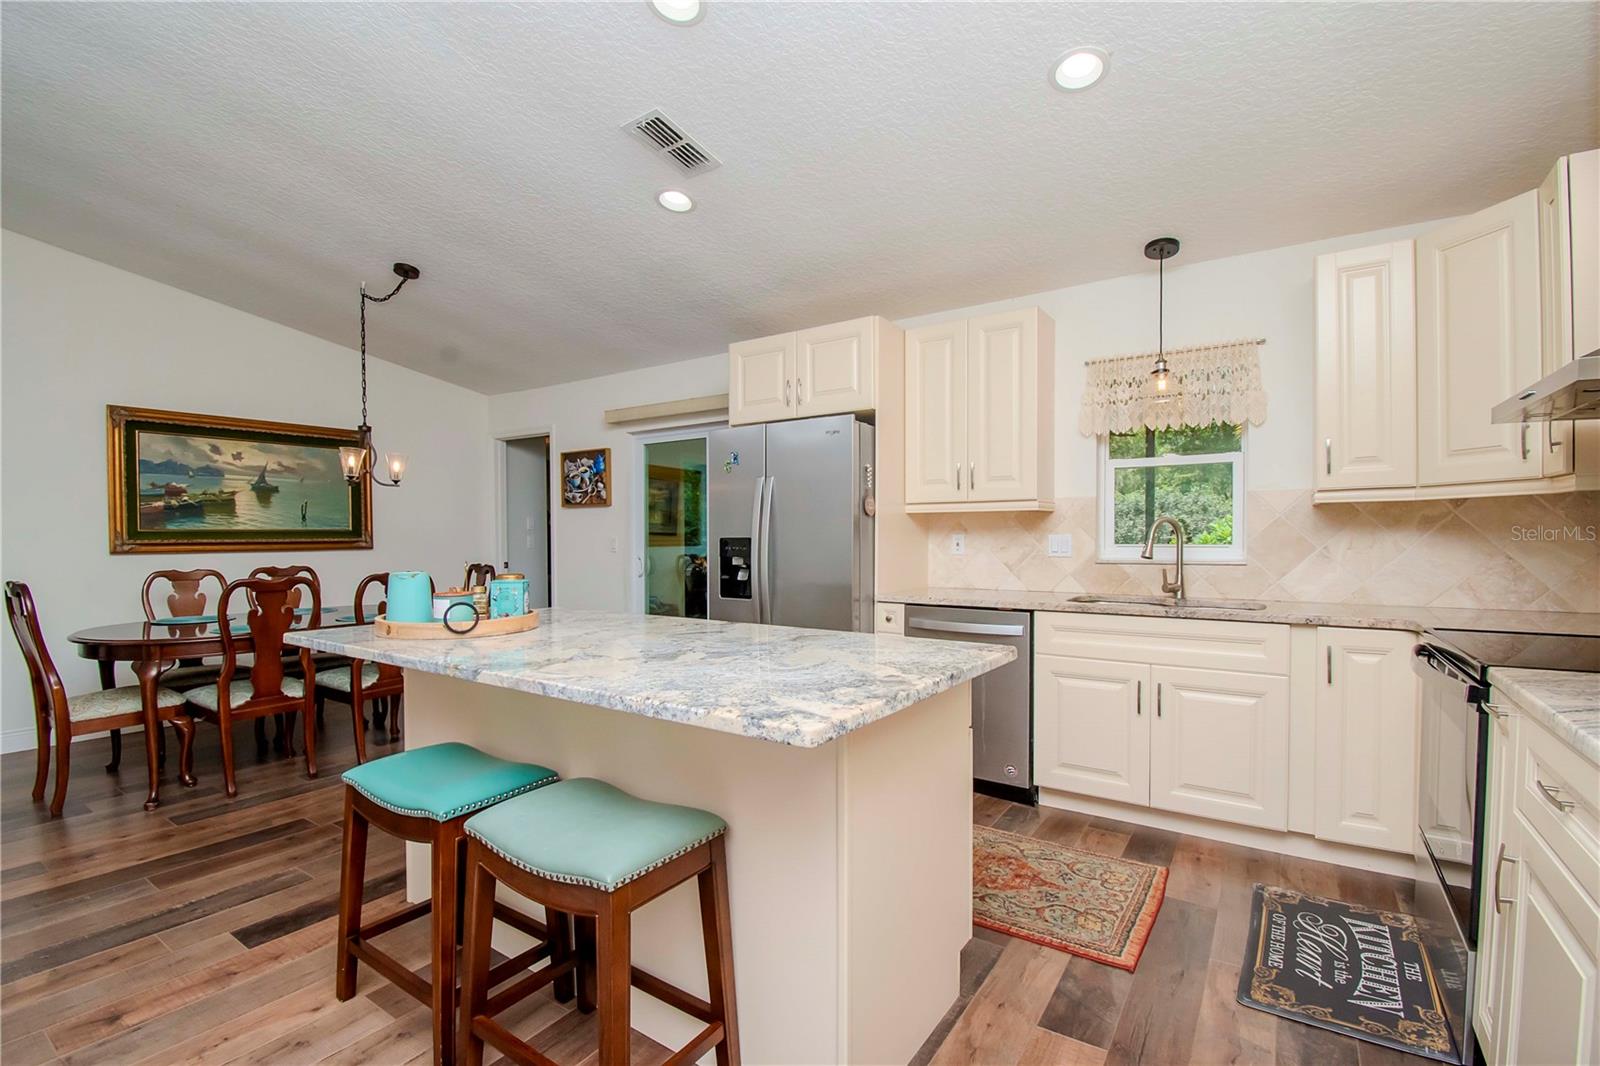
[[790, 533]]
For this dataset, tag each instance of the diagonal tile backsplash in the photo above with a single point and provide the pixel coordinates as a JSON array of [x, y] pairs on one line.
[[1510, 553]]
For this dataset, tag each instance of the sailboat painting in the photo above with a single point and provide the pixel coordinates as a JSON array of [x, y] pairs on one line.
[[182, 482]]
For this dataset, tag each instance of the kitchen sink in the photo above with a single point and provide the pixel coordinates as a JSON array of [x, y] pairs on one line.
[[1168, 601]]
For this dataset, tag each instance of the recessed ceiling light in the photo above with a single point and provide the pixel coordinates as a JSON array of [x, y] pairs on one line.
[[1078, 69], [673, 200], [678, 12]]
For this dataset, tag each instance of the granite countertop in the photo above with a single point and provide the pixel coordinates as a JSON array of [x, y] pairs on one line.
[[1285, 612], [1567, 702], [800, 687]]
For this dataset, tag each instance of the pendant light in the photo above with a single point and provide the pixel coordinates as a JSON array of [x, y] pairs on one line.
[[358, 461], [1161, 249]]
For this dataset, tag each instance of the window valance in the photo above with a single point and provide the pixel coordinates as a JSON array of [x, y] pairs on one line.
[[1209, 383]]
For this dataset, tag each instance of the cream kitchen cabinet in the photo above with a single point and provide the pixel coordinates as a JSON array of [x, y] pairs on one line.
[[1477, 343], [1366, 368], [825, 370], [980, 414], [1366, 726], [1158, 712], [1538, 978], [1569, 286]]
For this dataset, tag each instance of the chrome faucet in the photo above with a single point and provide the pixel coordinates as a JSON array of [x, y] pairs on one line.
[[1175, 586]]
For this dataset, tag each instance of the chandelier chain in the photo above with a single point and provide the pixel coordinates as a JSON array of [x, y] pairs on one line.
[[377, 300]]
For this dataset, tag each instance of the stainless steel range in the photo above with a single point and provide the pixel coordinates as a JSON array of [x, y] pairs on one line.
[[1452, 770]]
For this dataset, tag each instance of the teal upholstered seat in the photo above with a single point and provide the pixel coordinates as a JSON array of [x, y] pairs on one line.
[[444, 781], [586, 832], [338, 679]]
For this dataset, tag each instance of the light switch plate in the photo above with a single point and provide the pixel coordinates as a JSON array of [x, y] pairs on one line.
[[1060, 545], [958, 544]]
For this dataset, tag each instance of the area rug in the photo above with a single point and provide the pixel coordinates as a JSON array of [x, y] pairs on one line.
[[1349, 969], [1089, 905]]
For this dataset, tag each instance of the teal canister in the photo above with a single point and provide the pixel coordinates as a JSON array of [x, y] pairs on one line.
[[508, 596], [410, 597]]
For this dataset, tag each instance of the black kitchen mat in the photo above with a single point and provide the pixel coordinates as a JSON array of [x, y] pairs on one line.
[[1348, 969]]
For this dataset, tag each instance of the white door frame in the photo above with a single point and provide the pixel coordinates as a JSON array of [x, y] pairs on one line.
[[637, 504], [501, 547]]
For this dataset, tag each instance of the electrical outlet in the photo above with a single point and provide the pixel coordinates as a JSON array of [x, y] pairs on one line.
[[958, 544], [1060, 545], [613, 545]]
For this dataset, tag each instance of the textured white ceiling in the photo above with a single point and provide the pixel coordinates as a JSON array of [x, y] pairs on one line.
[[877, 158]]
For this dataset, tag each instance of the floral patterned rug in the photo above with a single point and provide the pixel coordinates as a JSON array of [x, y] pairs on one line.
[[1090, 905]]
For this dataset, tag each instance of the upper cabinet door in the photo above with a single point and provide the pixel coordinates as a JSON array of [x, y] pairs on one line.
[[1477, 343], [1002, 410], [835, 368], [936, 413], [1367, 368], [1555, 268], [761, 380]]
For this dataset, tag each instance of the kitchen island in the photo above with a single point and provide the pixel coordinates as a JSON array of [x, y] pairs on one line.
[[841, 761]]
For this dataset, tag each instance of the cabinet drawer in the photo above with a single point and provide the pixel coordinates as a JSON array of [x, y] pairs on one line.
[[890, 618], [1252, 647], [1556, 794]]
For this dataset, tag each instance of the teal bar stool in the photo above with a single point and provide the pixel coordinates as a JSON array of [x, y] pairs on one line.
[[588, 849], [426, 795]]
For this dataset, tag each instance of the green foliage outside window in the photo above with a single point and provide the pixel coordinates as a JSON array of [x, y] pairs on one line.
[[1200, 495]]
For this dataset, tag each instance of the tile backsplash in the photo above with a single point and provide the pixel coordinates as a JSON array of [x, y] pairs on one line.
[[1508, 553]]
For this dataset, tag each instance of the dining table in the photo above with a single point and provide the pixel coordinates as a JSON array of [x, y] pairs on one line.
[[149, 646]]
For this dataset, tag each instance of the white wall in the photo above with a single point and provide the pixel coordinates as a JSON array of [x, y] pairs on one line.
[[78, 335], [1264, 294], [593, 547]]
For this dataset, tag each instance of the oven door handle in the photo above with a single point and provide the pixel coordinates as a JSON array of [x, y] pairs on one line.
[[1429, 664]]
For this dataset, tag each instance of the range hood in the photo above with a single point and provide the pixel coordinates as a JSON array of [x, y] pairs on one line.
[[1573, 392]]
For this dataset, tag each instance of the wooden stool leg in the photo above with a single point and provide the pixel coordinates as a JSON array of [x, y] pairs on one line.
[[352, 885], [717, 929], [583, 926], [559, 930], [475, 955], [615, 981], [445, 858]]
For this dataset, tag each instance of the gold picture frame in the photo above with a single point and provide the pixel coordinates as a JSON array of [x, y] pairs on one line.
[[181, 482]]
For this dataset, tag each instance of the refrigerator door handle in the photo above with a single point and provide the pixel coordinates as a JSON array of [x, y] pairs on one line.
[[764, 573], [755, 548]]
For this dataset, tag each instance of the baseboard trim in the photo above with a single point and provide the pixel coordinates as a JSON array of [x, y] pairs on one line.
[[1299, 845]]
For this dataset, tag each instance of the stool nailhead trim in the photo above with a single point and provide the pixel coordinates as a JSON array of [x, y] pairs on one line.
[[454, 812], [570, 879]]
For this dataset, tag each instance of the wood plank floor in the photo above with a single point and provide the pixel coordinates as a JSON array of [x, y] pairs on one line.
[[203, 933], [1025, 1003]]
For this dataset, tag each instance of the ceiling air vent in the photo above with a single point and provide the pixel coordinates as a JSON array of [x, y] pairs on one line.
[[663, 137]]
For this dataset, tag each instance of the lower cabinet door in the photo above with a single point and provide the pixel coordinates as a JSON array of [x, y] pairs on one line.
[[1552, 992], [1219, 745], [1092, 727]]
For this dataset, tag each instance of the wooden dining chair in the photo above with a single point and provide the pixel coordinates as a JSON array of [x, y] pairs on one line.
[[478, 574], [263, 687], [66, 716], [275, 573], [179, 594], [361, 682]]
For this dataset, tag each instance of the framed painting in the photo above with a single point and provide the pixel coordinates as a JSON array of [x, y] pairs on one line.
[[586, 478], [185, 482], [664, 505]]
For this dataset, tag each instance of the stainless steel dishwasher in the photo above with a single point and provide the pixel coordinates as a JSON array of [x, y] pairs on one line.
[[1002, 701]]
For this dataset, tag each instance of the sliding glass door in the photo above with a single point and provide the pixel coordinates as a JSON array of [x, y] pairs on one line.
[[675, 534]]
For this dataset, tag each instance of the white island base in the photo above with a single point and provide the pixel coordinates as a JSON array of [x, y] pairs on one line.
[[850, 864]]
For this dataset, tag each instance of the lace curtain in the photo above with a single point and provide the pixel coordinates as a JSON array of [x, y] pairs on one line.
[[1211, 383]]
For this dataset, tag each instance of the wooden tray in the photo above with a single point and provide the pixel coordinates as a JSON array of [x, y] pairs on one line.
[[435, 630]]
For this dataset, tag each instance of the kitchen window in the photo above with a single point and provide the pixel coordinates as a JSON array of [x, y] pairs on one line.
[[1194, 473]]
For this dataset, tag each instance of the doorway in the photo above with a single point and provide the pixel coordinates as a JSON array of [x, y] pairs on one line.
[[675, 519], [527, 514]]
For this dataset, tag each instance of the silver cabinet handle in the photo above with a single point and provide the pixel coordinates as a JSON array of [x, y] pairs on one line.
[[1138, 699], [1553, 795], [1524, 442], [1330, 664], [1499, 900], [1327, 454], [972, 475], [799, 390], [787, 402], [1158, 699], [958, 477]]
